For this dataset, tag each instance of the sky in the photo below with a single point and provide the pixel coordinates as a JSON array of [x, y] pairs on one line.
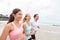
[[48, 10]]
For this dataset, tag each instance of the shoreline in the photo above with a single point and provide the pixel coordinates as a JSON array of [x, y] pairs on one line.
[[46, 32]]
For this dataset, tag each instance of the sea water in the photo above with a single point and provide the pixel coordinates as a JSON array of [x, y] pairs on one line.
[[46, 32]]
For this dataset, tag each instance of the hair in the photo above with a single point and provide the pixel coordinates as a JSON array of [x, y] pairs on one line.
[[24, 19], [35, 15], [15, 11]]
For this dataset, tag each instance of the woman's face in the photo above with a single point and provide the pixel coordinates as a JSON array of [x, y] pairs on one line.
[[18, 16], [28, 17]]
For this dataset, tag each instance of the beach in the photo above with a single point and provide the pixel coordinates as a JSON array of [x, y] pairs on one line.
[[46, 32]]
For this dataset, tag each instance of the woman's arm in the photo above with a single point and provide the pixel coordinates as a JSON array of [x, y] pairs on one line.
[[24, 26], [5, 32]]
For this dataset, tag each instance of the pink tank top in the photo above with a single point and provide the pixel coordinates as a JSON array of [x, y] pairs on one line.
[[15, 34]]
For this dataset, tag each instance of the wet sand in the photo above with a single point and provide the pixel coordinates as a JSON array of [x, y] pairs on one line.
[[46, 32]]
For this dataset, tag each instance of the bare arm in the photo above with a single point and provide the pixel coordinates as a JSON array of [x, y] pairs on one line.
[[5, 32], [24, 26]]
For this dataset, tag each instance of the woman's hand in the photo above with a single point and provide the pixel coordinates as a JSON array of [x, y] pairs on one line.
[[32, 32]]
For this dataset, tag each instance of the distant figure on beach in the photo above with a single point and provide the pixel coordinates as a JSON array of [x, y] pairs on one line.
[[35, 26], [14, 28], [27, 26]]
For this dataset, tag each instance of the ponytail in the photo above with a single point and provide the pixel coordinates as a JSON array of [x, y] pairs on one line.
[[11, 18], [24, 19]]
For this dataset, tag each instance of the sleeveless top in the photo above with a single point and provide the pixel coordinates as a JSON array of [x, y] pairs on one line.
[[16, 32], [28, 30]]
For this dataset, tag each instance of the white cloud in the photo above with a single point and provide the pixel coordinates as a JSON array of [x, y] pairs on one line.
[[48, 10]]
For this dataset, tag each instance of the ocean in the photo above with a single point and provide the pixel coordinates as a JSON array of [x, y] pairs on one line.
[[46, 32]]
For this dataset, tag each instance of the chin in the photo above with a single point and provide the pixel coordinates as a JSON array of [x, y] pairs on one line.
[[18, 20]]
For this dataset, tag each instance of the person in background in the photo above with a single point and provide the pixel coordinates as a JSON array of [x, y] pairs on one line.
[[27, 26], [14, 28], [35, 25]]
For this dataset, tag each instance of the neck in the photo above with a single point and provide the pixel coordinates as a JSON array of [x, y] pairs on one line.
[[27, 21], [16, 21], [36, 20]]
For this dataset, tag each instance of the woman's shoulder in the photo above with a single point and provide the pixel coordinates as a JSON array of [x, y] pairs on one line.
[[9, 25]]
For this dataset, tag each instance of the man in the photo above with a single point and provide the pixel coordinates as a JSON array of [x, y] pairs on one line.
[[35, 25]]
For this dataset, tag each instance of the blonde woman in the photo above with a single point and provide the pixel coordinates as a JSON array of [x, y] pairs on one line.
[[27, 26]]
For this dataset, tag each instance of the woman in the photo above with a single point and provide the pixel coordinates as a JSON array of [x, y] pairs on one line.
[[14, 28], [27, 27]]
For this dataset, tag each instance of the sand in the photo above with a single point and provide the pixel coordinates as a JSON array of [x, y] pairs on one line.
[[46, 32]]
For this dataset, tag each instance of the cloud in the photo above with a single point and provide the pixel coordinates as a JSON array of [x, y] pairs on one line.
[[48, 10]]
